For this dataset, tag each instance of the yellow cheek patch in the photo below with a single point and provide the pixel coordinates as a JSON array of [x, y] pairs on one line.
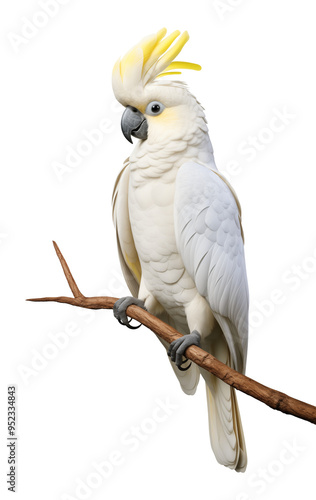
[[168, 115]]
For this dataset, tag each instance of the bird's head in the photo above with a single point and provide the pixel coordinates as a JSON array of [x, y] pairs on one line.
[[155, 108]]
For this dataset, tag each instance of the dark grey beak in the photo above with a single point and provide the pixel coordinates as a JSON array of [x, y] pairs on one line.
[[134, 124]]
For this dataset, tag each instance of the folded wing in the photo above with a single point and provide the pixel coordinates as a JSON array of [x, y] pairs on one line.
[[210, 241]]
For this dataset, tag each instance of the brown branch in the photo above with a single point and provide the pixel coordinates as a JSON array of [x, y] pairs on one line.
[[71, 282], [275, 399]]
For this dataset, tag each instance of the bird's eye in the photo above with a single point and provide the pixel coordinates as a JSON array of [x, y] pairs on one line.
[[154, 108]]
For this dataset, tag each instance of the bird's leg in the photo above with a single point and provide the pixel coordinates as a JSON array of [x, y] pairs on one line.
[[119, 310], [178, 347]]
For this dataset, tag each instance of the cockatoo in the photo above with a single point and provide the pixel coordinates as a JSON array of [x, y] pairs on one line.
[[179, 232]]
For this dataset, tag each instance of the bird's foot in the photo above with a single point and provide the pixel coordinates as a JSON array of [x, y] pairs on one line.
[[178, 347], [119, 310]]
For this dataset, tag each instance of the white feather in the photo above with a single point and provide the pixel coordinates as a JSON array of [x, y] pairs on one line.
[[209, 239]]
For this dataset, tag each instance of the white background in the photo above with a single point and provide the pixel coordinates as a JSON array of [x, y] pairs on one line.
[[73, 410]]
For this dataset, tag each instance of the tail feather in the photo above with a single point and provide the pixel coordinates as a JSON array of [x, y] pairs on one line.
[[226, 433], [242, 462]]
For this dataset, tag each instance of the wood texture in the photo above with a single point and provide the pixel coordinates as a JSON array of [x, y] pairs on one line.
[[271, 397]]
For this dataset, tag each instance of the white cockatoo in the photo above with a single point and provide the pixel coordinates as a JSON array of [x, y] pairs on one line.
[[179, 233]]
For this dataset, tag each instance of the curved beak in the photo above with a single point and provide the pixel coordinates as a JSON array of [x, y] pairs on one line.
[[134, 124]]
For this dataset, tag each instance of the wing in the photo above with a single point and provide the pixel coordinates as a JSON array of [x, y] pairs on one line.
[[210, 241], [125, 242]]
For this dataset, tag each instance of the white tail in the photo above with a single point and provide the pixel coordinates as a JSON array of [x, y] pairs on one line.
[[226, 432]]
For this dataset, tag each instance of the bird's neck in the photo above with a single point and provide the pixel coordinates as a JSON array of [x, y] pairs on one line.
[[159, 157]]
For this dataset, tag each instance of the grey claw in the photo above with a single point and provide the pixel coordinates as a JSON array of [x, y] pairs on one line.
[[129, 325], [186, 368], [119, 310], [178, 347]]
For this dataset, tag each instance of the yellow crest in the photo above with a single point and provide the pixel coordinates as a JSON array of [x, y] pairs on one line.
[[153, 57]]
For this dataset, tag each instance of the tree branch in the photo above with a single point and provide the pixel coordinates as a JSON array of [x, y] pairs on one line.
[[275, 399]]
